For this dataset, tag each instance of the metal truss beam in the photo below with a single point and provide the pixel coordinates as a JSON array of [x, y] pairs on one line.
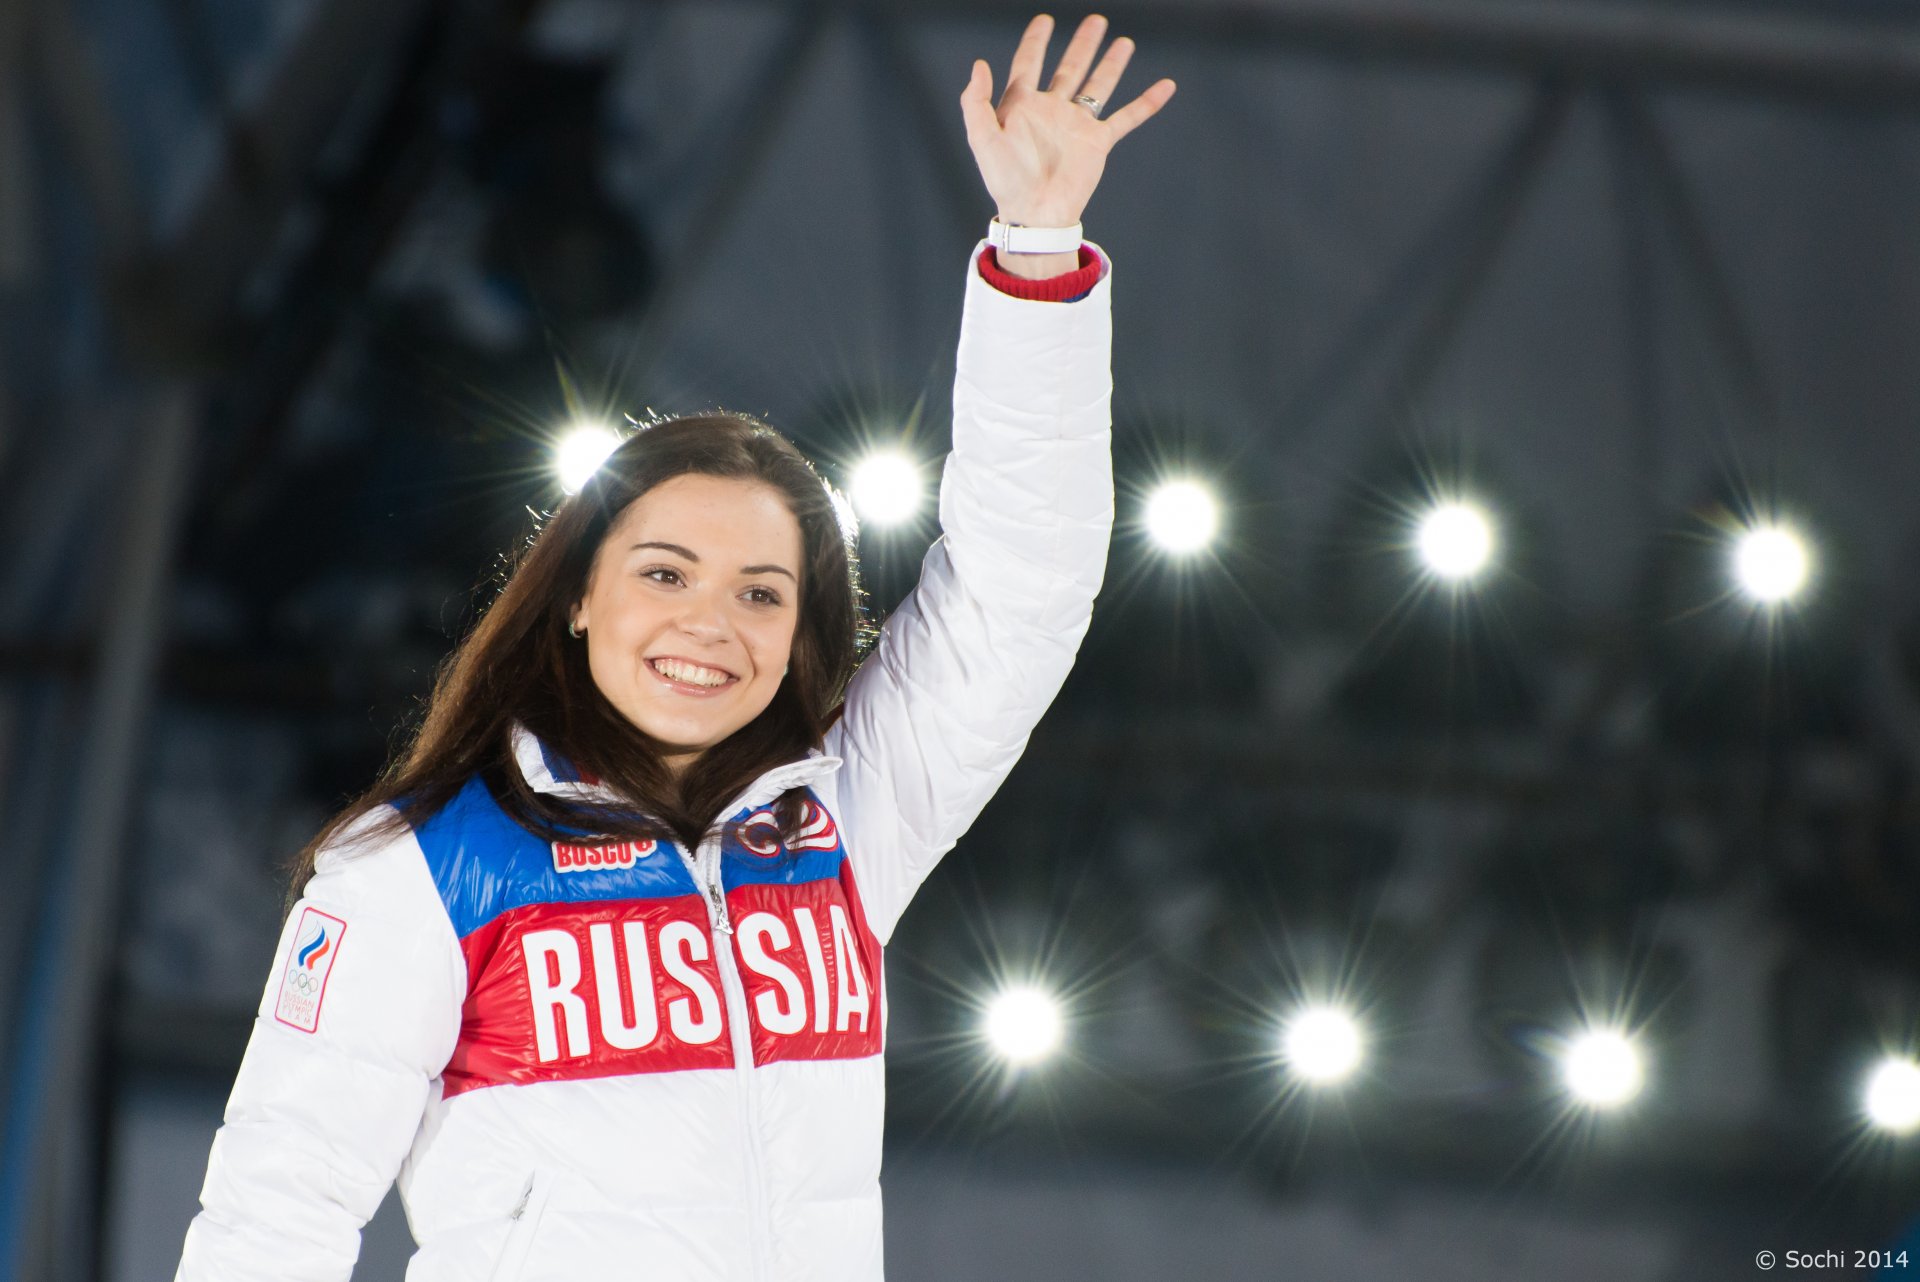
[[1438, 278], [49, 1191], [744, 141], [358, 215], [1671, 195], [72, 84], [188, 289], [1768, 54]]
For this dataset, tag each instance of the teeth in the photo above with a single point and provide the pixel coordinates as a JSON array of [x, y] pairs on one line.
[[691, 673]]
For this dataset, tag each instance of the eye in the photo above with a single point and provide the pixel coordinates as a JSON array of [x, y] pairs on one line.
[[674, 575], [763, 596]]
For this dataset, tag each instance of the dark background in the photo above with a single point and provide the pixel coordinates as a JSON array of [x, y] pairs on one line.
[[295, 294]]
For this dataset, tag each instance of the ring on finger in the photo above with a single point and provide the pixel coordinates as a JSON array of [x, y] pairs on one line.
[[1090, 103]]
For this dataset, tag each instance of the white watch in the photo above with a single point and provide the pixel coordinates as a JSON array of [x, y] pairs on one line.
[[1018, 238]]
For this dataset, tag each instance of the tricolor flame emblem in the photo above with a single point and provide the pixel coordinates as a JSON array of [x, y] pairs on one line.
[[760, 832], [315, 949]]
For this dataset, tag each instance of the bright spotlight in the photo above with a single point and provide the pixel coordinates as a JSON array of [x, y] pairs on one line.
[[1024, 1025], [1322, 1045], [1771, 563], [886, 487], [1455, 540], [1893, 1095], [579, 454], [1182, 516], [1602, 1067]]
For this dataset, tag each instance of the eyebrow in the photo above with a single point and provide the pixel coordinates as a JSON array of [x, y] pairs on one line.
[[677, 550]]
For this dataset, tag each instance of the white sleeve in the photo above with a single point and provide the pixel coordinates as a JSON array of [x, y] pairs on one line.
[[360, 1014], [940, 711]]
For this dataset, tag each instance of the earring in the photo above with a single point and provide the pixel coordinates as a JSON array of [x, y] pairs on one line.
[[573, 630]]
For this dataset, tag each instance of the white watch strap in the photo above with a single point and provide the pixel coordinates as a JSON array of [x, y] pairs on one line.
[[1018, 238]]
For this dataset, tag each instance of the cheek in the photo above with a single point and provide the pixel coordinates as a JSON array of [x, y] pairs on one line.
[[631, 615], [773, 644]]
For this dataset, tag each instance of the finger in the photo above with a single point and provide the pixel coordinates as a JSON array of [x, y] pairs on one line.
[[1078, 56], [1031, 53], [1141, 109], [1106, 76], [976, 101]]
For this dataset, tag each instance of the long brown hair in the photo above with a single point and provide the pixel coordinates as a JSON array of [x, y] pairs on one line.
[[518, 664]]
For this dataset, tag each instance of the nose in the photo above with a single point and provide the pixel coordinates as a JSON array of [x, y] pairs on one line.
[[702, 619]]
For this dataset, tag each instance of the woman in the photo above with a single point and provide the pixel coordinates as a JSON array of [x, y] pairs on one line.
[[595, 972]]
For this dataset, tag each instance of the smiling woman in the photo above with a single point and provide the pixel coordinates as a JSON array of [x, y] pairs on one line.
[[595, 970]]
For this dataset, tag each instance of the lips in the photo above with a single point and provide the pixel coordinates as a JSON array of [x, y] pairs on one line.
[[688, 677]]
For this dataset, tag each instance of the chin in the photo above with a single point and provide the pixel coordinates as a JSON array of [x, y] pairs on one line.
[[682, 736], [677, 738]]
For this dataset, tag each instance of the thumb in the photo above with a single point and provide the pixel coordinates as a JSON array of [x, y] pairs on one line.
[[976, 100]]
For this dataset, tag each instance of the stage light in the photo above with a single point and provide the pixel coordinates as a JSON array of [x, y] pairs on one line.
[[1771, 563], [579, 454], [1892, 1096], [1602, 1067], [1024, 1025], [886, 487], [1455, 540], [1182, 516], [1322, 1045]]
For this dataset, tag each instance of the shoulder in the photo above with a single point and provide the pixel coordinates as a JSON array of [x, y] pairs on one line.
[[376, 832], [372, 863], [372, 896]]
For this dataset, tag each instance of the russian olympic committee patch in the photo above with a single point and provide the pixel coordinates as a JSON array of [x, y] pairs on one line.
[[303, 985]]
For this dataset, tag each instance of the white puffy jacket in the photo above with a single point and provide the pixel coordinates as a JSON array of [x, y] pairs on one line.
[[639, 1063]]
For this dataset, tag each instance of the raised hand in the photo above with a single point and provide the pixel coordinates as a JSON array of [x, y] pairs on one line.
[[1040, 152]]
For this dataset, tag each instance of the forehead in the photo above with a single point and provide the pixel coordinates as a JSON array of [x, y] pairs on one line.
[[712, 513]]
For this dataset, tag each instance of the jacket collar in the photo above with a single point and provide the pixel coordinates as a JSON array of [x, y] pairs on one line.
[[549, 772]]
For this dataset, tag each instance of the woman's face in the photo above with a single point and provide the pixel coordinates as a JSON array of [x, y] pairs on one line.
[[691, 607]]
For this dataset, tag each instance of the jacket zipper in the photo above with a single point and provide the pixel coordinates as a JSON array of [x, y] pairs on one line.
[[522, 1222], [705, 866]]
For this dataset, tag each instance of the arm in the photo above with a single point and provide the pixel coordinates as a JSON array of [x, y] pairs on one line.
[[319, 1121], [937, 716]]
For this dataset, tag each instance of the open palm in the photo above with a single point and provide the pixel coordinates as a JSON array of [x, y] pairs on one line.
[[1041, 153]]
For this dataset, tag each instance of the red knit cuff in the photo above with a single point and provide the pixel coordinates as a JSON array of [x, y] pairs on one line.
[[1051, 289]]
